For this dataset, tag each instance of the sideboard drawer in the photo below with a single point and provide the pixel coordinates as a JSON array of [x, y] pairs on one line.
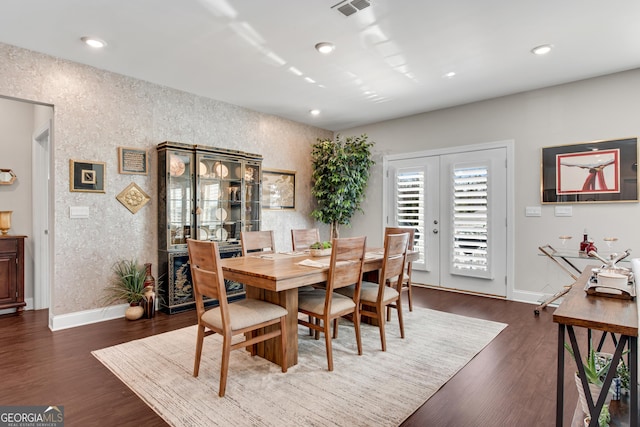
[[8, 245]]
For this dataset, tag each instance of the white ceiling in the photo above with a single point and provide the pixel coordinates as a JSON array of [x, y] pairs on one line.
[[390, 57]]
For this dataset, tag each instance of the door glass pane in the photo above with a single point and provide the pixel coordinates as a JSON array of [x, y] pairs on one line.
[[470, 221], [410, 205]]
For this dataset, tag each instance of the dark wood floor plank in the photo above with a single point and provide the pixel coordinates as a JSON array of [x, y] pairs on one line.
[[511, 382]]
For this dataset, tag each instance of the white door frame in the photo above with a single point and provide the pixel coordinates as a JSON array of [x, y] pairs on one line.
[[42, 226], [509, 145]]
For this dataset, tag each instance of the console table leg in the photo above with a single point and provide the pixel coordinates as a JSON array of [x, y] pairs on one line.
[[633, 381], [560, 378]]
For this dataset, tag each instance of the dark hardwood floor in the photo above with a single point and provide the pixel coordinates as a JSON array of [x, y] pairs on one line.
[[510, 383]]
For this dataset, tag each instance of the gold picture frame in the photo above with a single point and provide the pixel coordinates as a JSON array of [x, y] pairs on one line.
[[86, 176], [278, 189], [132, 161]]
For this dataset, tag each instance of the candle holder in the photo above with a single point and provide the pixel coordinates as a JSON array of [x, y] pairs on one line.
[[5, 221]]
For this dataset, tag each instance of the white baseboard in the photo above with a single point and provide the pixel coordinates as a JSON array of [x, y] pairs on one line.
[[534, 298], [86, 317]]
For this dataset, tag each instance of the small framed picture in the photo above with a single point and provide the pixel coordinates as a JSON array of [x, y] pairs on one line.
[[278, 189], [132, 161], [86, 176]]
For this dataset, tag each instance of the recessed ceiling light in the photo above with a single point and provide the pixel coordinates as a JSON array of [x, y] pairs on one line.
[[449, 75], [325, 47], [314, 112], [543, 49], [94, 42]]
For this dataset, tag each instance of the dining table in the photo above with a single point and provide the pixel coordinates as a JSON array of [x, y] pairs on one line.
[[276, 277]]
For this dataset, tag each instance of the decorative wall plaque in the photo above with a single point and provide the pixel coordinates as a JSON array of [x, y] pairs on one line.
[[133, 198], [132, 161]]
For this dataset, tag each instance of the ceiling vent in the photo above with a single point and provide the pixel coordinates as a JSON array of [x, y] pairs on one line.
[[349, 8]]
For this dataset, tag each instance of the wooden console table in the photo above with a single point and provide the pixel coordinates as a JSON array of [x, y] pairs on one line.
[[612, 315]]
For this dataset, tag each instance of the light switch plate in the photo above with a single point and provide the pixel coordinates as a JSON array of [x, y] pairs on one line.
[[79, 212], [533, 211], [563, 210]]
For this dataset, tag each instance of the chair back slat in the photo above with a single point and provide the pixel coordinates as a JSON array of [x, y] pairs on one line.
[[395, 256], [206, 274], [400, 230], [206, 284], [302, 239], [347, 259], [257, 241]]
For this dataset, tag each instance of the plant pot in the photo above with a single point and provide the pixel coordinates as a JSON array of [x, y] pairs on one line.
[[134, 312], [595, 392], [320, 252]]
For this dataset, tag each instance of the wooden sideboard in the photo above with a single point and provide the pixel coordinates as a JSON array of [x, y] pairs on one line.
[[12, 272]]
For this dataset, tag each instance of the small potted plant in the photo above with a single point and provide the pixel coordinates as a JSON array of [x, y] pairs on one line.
[[127, 284], [320, 249], [596, 367]]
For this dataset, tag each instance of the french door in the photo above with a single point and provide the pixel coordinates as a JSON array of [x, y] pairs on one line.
[[457, 202]]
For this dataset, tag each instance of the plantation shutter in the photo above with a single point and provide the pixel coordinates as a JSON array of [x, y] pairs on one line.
[[471, 233], [410, 186]]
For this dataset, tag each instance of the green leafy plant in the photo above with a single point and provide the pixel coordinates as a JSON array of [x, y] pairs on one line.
[[605, 417], [623, 373], [340, 176], [595, 366], [320, 245], [127, 282]]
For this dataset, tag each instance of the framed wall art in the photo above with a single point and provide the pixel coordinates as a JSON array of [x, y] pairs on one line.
[[590, 172], [86, 176], [278, 189], [132, 161]]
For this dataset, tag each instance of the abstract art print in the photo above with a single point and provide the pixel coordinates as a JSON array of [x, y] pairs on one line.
[[592, 172]]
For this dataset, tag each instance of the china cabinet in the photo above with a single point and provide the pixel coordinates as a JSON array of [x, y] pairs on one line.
[[204, 193]]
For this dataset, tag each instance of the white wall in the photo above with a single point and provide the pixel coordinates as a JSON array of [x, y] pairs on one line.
[[16, 128], [595, 109], [97, 111]]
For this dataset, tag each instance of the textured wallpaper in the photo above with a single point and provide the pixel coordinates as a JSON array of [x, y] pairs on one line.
[[95, 112]]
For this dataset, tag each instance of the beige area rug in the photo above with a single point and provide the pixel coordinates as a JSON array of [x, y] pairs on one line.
[[375, 389]]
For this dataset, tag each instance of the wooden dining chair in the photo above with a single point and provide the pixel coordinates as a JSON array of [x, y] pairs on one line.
[[374, 297], [303, 238], [406, 277], [247, 316], [257, 241], [326, 306]]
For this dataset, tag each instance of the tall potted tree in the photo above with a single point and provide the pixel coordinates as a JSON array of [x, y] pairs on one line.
[[340, 175]]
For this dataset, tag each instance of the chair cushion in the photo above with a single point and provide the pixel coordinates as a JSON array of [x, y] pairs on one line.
[[244, 313], [369, 292], [313, 301]]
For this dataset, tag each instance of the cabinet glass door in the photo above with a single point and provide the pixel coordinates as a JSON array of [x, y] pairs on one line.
[[179, 197], [219, 198], [252, 197]]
